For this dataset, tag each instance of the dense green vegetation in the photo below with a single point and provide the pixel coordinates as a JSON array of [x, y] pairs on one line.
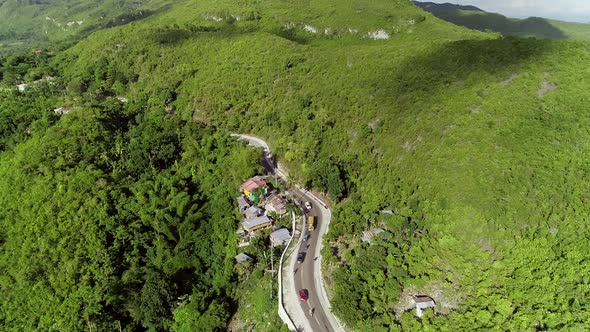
[[28, 24], [475, 18], [477, 143], [115, 217]]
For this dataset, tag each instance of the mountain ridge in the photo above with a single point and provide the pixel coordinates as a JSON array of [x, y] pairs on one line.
[[478, 19]]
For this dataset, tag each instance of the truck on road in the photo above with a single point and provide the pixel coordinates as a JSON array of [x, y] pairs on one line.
[[311, 223]]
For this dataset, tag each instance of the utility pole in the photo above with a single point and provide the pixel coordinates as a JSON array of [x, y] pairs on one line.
[[272, 268]]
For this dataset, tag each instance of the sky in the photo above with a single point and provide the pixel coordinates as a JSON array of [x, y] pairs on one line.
[[566, 10]]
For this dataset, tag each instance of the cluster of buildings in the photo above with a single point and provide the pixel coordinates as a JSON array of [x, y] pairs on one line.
[[24, 86], [255, 209], [256, 201]]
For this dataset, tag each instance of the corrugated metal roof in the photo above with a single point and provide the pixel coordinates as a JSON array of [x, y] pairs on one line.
[[243, 258], [252, 184], [254, 222], [280, 236]]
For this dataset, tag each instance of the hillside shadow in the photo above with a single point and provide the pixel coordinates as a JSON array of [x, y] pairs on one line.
[[537, 27], [125, 18], [425, 77]]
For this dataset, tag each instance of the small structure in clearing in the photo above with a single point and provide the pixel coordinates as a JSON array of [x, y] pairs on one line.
[[369, 235], [243, 258], [22, 87], [423, 302], [279, 237], [62, 110]]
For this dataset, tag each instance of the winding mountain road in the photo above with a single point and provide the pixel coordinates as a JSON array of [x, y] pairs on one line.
[[315, 314]]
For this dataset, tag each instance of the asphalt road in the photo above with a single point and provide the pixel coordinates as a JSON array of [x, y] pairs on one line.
[[307, 274]]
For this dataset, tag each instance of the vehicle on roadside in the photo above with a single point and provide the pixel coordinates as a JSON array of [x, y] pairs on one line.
[[306, 237], [303, 294], [307, 206], [311, 223], [300, 257]]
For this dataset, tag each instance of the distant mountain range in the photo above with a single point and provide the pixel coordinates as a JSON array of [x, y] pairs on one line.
[[431, 6], [475, 18]]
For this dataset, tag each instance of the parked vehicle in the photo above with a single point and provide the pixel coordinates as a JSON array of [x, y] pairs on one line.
[[303, 294], [300, 257], [311, 223], [307, 206], [306, 237]]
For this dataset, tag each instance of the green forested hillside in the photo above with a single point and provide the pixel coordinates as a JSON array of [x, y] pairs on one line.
[[478, 145], [115, 217], [28, 24], [538, 27]]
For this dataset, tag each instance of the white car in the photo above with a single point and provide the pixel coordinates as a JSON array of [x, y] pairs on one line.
[[307, 205]]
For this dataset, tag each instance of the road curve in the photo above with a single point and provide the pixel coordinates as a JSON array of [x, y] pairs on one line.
[[315, 314]]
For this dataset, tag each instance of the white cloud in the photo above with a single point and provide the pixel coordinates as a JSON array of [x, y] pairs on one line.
[[569, 10]]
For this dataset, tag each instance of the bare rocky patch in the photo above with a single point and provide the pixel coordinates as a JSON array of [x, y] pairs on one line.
[[373, 124], [509, 80], [546, 86], [411, 146]]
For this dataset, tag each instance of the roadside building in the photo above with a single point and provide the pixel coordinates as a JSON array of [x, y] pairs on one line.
[[275, 203], [251, 185], [423, 302], [243, 258], [280, 237], [253, 212], [368, 236], [258, 223], [242, 204]]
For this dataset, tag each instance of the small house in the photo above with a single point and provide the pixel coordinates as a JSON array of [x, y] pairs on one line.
[[62, 110], [254, 224], [368, 236], [252, 184], [275, 203], [280, 237], [423, 302], [252, 212], [243, 258], [242, 204], [22, 87]]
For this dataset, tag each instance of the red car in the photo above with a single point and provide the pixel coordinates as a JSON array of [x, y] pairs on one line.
[[303, 294]]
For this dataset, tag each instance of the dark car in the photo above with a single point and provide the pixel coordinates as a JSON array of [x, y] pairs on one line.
[[306, 237], [303, 294], [300, 257]]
